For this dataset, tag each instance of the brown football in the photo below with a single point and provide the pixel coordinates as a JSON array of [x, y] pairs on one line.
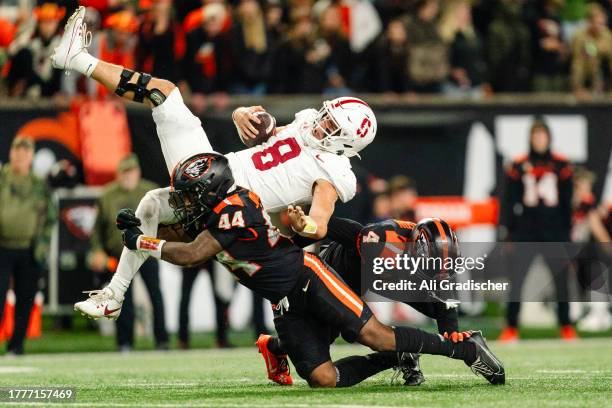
[[265, 129]]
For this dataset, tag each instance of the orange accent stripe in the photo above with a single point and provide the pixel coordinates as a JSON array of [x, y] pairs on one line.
[[443, 235], [231, 200], [255, 198], [405, 224], [336, 287]]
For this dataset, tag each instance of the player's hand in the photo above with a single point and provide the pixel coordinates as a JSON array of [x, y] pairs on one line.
[[242, 118], [130, 237], [297, 218], [456, 337], [126, 218]]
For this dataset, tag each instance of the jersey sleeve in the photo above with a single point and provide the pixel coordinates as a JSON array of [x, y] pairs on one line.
[[337, 170]]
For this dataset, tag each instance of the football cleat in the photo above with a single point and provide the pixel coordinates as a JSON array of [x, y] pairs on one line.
[[101, 303], [509, 335], [410, 369], [74, 41], [486, 364], [277, 366]]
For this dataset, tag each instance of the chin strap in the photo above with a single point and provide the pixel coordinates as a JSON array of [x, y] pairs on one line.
[[139, 88]]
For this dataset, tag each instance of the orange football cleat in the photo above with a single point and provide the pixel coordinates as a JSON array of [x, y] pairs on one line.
[[509, 335], [568, 333], [277, 366]]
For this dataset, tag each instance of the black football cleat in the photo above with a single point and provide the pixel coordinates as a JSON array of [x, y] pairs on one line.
[[486, 364], [410, 369]]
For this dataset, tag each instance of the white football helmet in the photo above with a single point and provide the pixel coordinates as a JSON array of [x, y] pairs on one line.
[[343, 126]]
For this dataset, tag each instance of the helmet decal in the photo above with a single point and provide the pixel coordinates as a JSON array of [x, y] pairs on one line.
[[197, 167], [364, 128]]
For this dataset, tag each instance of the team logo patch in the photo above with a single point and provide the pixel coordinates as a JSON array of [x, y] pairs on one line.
[[80, 220], [197, 167], [371, 237]]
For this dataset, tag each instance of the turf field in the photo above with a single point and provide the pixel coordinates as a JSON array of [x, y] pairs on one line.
[[540, 373]]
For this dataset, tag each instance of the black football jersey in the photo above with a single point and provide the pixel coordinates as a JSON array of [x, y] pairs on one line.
[[254, 250]]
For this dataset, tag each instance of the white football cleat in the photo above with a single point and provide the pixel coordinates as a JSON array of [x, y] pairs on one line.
[[74, 41], [101, 303]]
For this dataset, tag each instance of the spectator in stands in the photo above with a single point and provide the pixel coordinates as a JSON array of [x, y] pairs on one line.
[[508, 49], [392, 55], [126, 192], [31, 73], [467, 64], [27, 216], [117, 43], [592, 55], [7, 33], [208, 64], [158, 46], [403, 197], [548, 48], [252, 48], [302, 60], [429, 62], [341, 62]]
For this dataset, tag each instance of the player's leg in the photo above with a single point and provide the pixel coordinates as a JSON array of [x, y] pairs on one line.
[[179, 131], [332, 301], [152, 210]]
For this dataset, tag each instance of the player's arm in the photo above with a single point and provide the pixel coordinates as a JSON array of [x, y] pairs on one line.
[[314, 225], [203, 247]]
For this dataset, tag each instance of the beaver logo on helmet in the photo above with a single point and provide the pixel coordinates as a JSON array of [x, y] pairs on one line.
[[197, 167]]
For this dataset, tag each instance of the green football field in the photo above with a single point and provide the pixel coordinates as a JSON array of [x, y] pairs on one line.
[[540, 373]]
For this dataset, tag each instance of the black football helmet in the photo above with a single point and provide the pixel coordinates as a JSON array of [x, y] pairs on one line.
[[434, 238], [197, 185]]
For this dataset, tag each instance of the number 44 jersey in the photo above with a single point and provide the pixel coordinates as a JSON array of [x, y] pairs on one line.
[[283, 170], [253, 249]]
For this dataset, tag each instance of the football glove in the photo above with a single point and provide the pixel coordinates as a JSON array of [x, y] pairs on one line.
[[457, 337], [130, 237], [126, 218]]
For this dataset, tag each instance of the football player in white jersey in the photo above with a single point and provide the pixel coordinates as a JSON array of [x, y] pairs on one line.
[[305, 162]]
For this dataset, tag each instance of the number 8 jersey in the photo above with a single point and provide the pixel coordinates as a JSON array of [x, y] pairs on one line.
[[284, 169]]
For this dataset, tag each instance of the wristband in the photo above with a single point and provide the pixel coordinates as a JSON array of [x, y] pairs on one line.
[[151, 245], [310, 227]]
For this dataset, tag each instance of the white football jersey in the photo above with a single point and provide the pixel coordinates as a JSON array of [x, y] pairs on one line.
[[283, 170]]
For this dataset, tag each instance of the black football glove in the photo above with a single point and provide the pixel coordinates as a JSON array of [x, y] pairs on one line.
[[130, 237], [127, 219]]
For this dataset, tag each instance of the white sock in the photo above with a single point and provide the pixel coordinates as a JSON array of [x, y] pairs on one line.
[[85, 63], [129, 264]]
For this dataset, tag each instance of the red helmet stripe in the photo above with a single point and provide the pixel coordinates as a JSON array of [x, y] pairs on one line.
[[345, 101]]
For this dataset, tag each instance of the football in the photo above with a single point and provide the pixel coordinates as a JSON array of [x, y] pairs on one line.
[[265, 129]]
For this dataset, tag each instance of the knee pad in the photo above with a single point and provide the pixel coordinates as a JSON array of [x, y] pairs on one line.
[[139, 88]]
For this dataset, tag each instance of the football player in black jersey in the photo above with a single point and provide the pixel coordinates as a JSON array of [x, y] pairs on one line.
[[343, 254], [311, 301]]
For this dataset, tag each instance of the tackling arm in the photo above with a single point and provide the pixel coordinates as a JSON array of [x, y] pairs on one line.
[[204, 247], [314, 225]]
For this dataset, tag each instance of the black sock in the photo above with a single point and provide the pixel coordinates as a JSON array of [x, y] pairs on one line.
[[274, 346], [354, 369], [414, 340]]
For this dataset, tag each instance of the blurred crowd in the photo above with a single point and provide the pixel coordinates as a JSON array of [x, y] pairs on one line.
[[215, 48]]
